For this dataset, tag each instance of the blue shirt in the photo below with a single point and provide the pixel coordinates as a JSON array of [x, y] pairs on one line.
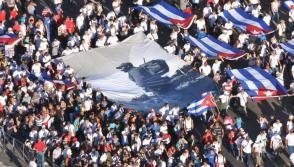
[[239, 123], [211, 158]]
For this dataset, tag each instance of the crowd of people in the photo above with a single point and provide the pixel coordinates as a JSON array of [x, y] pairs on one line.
[[76, 125]]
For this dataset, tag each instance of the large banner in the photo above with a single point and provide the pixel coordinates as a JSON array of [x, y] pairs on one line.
[[139, 73]]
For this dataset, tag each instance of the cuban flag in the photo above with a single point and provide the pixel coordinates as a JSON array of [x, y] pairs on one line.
[[289, 47], [288, 4], [214, 48], [10, 39], [68, 84], [201, 105], [246, 22], [168, 14], [44, 78], [257, 82]]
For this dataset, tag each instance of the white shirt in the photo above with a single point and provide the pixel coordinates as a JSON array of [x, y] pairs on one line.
[[33, 164], [56, 153], [153, 27], [116, 5], [228, 6], [112, 40], [291, 15], [80, 21], [224, 98], [205, 69], [200, 24], [255, 12], [138, 29], [275, 6], [277, 127], [88, 105], [254, 1], [216, 67], [292, 69], [276, 141], [224, 37], [290, 139], [163, 111], [267, 19], [246, 146], [236, 4], [274, 60], [36, 68], [189, 58], [243, 98], [289, 125], [292, 158], [257, 147], [242, 38], [207, 11], [101, 42], [170, 49]]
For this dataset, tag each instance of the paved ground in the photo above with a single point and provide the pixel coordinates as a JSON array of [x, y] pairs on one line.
[[7, 160]]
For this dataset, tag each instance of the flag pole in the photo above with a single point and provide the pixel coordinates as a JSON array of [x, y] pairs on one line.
[[287, 95], [217, 109]]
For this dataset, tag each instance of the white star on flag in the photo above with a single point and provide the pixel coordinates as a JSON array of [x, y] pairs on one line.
[[268, 93]]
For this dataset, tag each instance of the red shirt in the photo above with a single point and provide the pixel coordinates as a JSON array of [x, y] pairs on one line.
[[13, 14], [2, 15], [58, 19], [231, 136], [40, 147], [16, 28], [70, 26], [207, 137]]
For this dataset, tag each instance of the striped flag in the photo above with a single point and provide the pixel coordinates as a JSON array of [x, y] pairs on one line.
[[257, 82], [10, 39], [201, 105], [288, 4], [44, 78], [68, 84], [246, 22], [214, 48], [168, 14], [289, 47]]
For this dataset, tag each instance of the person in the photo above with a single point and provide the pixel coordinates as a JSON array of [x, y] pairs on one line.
[[218, 132], [246, 150], [275, 10], [33, 163], [276, 144], [220, 160], [40, 148], [262, 139], [231, 138], [243, 97], [290, 142], [263, 122], [257, 153], [205, 69], [210, 156], [290, 123]]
